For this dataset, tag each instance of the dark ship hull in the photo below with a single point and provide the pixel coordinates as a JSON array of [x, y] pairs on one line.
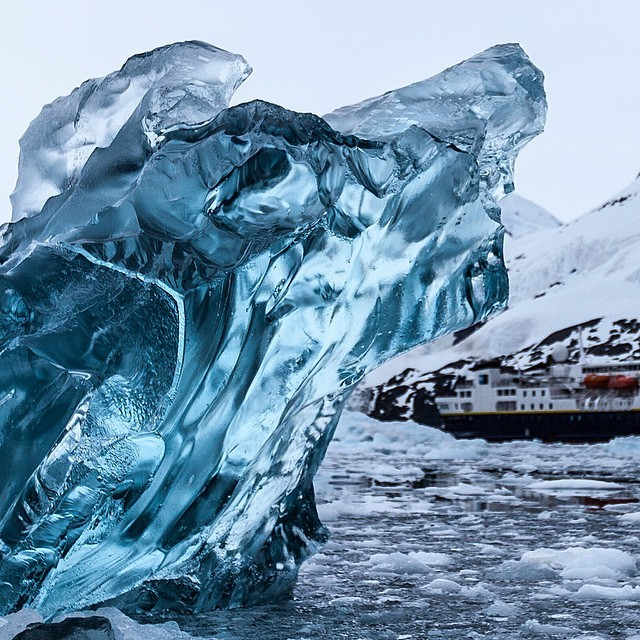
[[548, 426]]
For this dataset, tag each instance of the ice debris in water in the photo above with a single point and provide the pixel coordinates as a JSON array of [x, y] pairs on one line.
[[103, 624], [190, 292]]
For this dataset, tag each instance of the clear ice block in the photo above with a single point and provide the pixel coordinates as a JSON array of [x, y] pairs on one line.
[[191, 291]]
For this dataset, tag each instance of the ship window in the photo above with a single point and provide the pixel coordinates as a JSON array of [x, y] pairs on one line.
[[443, 406], [506, 405], [542, 392], [533, 393], [465, 406], [533, 406], [551, 405], [513, 392], [541, 405], [499, 392], [524, 394], [483, 379], [522, 407]]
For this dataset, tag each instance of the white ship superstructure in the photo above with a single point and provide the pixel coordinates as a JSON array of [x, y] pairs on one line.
[[562, 387]]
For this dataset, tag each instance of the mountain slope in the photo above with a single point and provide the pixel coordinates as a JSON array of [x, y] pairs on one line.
[[521, 217], [582, 274]]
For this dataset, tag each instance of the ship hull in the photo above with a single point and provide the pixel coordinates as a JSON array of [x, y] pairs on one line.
[[548, 426]]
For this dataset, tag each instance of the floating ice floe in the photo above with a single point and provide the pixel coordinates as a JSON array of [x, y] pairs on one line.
[[408, 563], [574, 485], [578, 563]]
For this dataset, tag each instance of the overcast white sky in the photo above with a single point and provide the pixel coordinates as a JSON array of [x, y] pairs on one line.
[[316, 56]]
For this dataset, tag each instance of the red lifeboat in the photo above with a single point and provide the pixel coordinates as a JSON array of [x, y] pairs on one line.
[[623, 383], [597, 381]]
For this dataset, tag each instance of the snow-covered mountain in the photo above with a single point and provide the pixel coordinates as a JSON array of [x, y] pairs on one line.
[[521, 217], [565, 280]]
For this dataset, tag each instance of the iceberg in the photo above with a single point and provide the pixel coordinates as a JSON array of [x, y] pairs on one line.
[[190, 292]]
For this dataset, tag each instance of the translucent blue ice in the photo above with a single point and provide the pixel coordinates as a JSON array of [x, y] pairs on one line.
[[190, 293]]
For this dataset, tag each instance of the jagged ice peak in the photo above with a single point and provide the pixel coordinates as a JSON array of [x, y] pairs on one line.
[[191, 291]]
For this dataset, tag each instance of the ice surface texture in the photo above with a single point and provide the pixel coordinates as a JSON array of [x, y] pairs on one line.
[[190, 292]]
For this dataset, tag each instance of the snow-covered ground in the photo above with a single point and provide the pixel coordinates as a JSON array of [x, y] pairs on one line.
[[437, 538]]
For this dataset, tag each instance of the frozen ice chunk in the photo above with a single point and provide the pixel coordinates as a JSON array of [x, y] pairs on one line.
[[189, 295], [575, 485], [535, 628], [15, 623], [443, 585], [489, 105], [521, 571], [103, 624], [601, 592], [180, 84], [631, 518], [408, 563], [579, 563]]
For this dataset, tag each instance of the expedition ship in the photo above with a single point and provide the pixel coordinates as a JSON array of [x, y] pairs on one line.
[[566, 402]]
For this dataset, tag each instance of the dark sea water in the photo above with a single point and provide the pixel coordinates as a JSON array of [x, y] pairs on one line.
[[428, 537]]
